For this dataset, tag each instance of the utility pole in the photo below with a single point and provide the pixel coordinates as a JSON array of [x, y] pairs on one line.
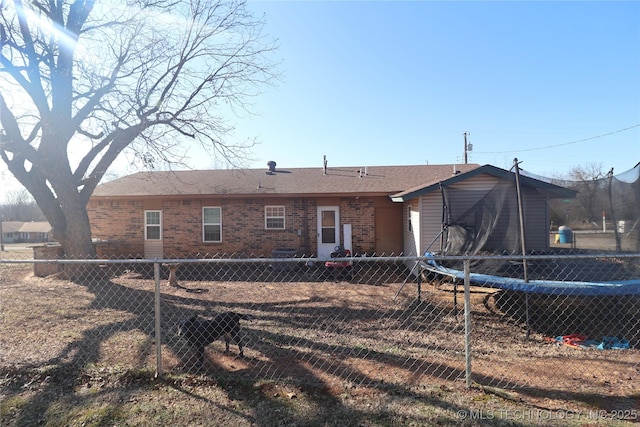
[[467, 147]]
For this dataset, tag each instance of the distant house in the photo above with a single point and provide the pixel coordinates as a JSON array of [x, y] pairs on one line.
[[380, 210], [10, 231], [35, 231], [25, 232]]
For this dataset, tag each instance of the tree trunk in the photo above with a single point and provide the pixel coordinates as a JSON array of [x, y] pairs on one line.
[[75, 238]]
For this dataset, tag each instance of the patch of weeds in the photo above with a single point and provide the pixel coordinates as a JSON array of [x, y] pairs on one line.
[[139, 376], [145, 410], [482, 398], [85, 415], [11, 406], [146, 344], [393, 350]]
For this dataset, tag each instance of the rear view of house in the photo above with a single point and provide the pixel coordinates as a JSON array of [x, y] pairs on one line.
[[380, 210]]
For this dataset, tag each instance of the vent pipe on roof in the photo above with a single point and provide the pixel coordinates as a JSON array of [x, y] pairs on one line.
[[324, 167], [272, 165]]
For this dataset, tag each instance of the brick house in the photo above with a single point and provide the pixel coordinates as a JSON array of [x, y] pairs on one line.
[[255, 212]]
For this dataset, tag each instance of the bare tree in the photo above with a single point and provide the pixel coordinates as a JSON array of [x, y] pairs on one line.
[[589, 181], [81, 81], [20, 206]]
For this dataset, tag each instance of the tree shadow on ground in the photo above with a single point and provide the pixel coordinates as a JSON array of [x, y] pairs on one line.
[[303, 342]]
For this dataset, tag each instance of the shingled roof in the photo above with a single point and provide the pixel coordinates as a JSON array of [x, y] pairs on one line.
[[35, 227], [372, 180], [552, 190]]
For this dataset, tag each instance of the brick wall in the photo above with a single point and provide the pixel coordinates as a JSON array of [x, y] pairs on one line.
[[121, 222], [243, 229], [360, 213]]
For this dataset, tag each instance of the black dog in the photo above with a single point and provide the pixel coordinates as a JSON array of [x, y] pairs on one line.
[[200, 333]]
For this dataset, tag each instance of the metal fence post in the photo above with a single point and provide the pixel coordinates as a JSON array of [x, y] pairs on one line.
[[467, 323], [156, 276]]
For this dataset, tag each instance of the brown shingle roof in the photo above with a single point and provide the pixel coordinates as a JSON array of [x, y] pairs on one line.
[[35, 227], [378, 180], [552, 190], [11, 226]]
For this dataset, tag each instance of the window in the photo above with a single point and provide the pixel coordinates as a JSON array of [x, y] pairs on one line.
[[152, 225], [274, 217], [212, 224], [328, 225], [409, 225]]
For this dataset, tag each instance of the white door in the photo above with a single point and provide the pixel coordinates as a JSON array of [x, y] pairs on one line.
[[153, 234], [328, 230]]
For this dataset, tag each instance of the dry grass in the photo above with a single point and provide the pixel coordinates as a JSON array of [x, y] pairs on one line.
[[333, 353]]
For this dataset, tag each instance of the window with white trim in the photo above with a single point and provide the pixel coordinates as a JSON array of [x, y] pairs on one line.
[[212, 224], [152, 225], [409, 211], [274, 217]]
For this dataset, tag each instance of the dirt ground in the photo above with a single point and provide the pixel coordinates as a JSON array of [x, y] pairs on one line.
[[342, 338]]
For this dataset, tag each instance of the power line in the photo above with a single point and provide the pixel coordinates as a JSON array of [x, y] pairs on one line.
[[559, 145]]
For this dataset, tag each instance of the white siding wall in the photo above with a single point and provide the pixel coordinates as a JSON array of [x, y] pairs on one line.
[[535, 208], [431, 223], [411, 236], [153, 249]]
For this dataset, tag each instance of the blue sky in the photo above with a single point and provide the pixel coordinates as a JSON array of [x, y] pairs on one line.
[[555, 84], [386, 83]]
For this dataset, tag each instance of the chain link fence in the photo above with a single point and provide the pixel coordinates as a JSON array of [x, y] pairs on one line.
[[569, 321]]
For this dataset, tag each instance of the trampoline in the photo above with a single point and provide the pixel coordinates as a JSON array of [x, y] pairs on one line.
[[547, 287], [493, 222], [544, 288]]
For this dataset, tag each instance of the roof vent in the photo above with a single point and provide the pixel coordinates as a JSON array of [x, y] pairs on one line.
[[272, 165]]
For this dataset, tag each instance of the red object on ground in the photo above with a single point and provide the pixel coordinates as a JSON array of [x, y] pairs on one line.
[[347, 253]]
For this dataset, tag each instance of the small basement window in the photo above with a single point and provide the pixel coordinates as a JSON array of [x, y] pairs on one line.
[[274, 217]]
